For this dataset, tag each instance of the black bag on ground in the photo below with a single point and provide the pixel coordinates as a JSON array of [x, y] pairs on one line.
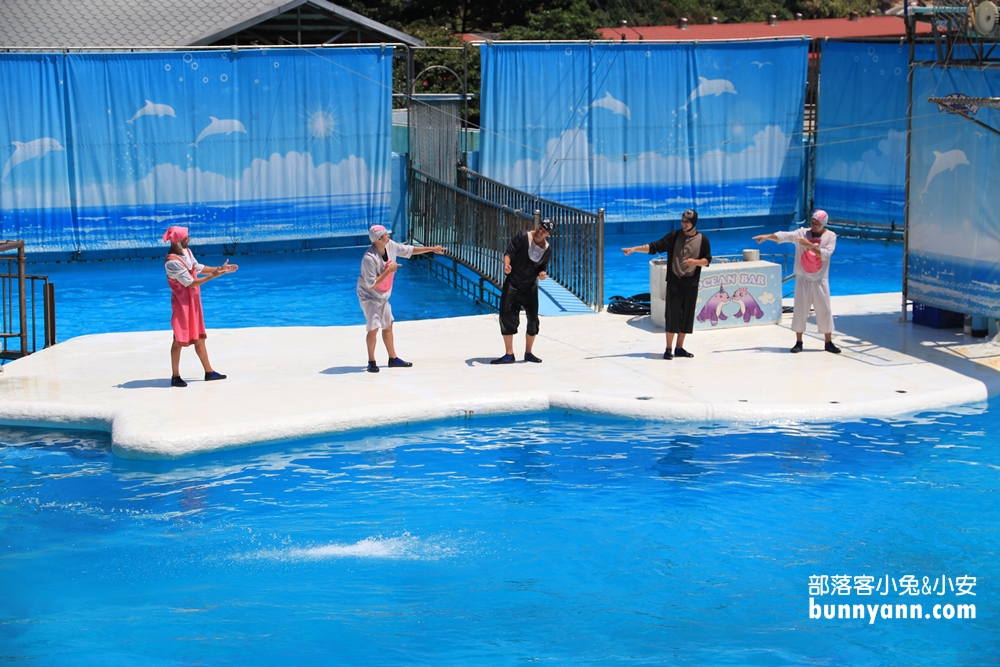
[[637, 304]]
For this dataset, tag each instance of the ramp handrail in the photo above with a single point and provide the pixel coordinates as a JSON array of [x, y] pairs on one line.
[[476, 219], [19, 305]]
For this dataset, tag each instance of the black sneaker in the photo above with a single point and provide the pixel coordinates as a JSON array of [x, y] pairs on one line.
[[214, 376], [528, 356], [681, 352], [830, 347], [177, 381], [505, 359], [667, 354], [372, 367], [396, 362], [797, 347]]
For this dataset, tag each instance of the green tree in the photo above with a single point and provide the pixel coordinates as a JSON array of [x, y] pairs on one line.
[[828, 9], [578, 21]]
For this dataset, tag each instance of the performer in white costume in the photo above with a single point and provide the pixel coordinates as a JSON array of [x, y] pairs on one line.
[[813, 249], [378, 269]]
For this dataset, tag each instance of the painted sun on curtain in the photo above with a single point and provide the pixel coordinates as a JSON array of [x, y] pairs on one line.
[[101, 151]]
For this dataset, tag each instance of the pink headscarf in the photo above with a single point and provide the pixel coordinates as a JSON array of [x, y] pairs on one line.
[[175, 234]]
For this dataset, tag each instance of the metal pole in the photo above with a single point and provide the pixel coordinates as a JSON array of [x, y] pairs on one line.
[[906, 196], [813, 75], [22, 299], [50, 314], [465, 102], [600, 259]]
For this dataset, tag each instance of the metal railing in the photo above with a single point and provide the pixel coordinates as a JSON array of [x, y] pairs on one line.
[[476, 287], [577, 241], [19, 305], [477, 219]]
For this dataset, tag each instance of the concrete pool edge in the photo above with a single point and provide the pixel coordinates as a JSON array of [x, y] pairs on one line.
[[282, 385]]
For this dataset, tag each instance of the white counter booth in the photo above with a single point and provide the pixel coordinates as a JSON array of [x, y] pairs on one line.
[[730, 294]]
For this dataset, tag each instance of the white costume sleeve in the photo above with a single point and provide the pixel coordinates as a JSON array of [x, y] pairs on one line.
[[400, 250], [371, 266], [827, 245], [176, 270], [788, 237]]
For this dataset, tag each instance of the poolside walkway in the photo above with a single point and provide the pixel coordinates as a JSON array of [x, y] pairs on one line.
[[299, 381]]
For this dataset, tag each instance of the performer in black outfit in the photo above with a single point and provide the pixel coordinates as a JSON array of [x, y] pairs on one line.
[[524, 264], [687, 251]]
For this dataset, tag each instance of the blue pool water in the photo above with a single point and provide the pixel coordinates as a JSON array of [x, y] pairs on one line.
[[549, 538], [312, 288], [555, 538], [859, 266], [317, 287]]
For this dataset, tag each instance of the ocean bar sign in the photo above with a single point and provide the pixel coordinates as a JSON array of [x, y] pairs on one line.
[[734, 294]]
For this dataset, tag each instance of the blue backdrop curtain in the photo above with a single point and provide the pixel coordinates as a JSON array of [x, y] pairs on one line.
[[861, 137], [240, 147], [34, 183], [647, 131], [954, 223]]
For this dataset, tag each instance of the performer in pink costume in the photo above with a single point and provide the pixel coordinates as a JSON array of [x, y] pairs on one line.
[[186, 319]]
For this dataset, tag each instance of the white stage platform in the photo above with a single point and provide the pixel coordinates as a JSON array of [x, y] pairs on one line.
[[293, 382]]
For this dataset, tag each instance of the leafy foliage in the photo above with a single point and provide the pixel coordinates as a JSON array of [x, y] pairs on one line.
[[577, 19]]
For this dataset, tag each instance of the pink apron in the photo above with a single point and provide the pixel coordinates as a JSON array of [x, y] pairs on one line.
[[186, 318]]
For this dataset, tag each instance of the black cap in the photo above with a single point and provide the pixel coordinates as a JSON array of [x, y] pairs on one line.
[[546, 224], [691, 215]]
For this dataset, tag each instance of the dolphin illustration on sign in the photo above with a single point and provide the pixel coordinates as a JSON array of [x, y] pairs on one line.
[[748, 305], [613, 105], [710, 87], [946, 161], [30, 151], [226, 126], [153, 110], [712, 311]]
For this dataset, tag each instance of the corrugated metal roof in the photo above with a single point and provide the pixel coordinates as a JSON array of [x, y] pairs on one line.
[[864, 27], [82, 23]]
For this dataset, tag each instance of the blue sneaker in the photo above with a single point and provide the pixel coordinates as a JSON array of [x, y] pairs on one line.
[[505, 359], [214, 376], [528, 356], [372, 367], [177, 381], [396, 362]]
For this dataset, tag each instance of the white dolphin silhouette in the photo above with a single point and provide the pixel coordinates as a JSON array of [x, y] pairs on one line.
[[613, 105], [153, 110], [944, 162], [706, 87], [29, 151], [766, 188], [226, 126]]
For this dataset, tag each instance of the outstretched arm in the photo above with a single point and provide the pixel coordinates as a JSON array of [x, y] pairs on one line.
[[760, 238], [436, 249], [638, 248], [225, 268], [215, 272]]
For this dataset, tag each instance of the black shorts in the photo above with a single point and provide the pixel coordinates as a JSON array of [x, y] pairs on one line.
[[512, 299], [679, 312]]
